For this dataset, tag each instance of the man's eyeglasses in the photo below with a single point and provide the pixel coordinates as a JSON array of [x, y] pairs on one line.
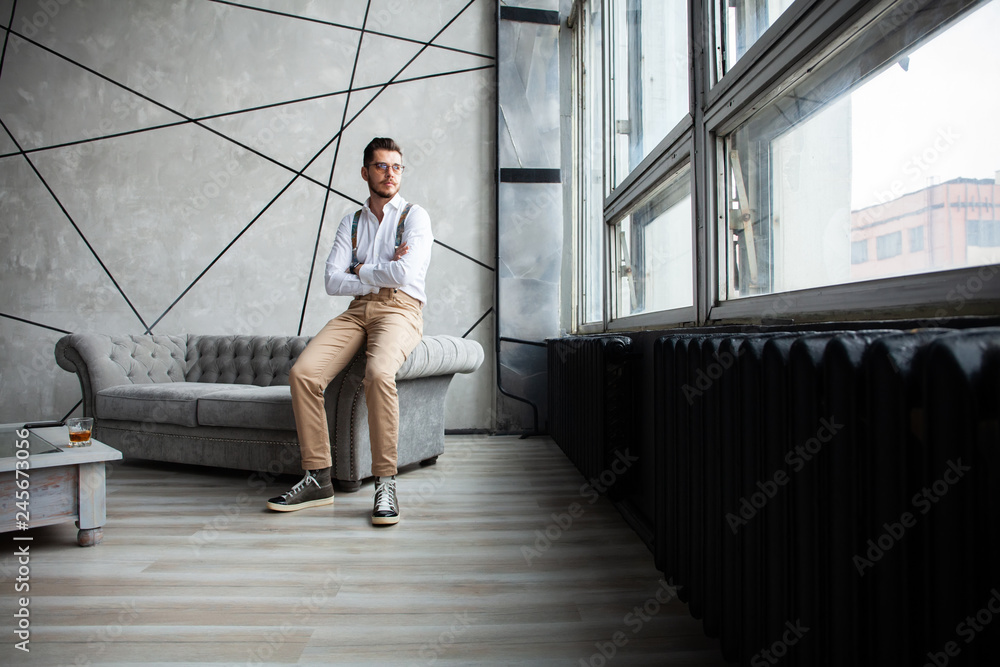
[[384, 168]]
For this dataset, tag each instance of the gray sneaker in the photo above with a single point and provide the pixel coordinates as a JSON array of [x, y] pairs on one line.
[[386, 512], [313, 490]]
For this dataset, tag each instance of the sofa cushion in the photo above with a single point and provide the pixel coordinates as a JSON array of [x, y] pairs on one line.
[[260, 407], [161, 403]]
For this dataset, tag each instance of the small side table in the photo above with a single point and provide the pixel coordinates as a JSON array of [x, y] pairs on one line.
[[62, 483]]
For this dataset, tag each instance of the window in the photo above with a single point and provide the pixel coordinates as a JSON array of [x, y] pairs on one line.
[[982, 233], [839, 156], [982, 238], [731, 155], [740, 23], [652, 265], [652, 268], [648, 82], [889, 245], [859, 251], [589, 129]]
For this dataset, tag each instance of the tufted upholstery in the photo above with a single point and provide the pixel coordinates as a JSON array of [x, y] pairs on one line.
[[260, 360], [125, 359]]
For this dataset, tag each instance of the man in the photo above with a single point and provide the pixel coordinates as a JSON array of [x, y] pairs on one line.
[[380, 257]]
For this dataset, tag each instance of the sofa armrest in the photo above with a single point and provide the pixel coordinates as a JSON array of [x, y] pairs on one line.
[[103, 361], [441, 355]]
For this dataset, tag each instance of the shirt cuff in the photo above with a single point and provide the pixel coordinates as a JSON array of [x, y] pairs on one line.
[[365, 274]]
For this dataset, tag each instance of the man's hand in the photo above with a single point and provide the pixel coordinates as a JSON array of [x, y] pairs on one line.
[[400, 251]]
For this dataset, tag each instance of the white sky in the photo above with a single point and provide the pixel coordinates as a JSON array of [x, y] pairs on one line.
[[938, 120]]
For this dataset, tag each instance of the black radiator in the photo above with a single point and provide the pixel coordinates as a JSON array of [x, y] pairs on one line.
[[591, 399], [829, 498]]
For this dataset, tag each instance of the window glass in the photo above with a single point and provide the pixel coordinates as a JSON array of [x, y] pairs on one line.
[[653, 249], [740, 23], [859, 252], [648, 78], [982, 233], [891, 133], [888, 245]]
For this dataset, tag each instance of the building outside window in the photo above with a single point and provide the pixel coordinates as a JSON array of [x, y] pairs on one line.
[[946, 217]]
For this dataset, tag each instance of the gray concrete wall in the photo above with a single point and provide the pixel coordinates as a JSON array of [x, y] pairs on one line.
[[181, 166]]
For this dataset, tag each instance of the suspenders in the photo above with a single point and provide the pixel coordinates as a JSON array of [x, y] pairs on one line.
[[354, 231]]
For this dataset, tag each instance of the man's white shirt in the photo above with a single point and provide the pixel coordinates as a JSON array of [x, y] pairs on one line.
[[376, 247]]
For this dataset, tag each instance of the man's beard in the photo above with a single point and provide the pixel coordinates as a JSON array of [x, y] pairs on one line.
[[386, 190]]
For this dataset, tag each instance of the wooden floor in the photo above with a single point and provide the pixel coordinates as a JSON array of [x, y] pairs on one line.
[[501, 558]]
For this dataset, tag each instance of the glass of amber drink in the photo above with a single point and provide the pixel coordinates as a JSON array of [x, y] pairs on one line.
[[79, 431]]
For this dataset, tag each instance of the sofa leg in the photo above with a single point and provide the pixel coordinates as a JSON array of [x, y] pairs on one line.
[[345, 486], [429, 462]]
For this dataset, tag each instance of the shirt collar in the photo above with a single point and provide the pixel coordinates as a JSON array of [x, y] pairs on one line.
[[396, 203]]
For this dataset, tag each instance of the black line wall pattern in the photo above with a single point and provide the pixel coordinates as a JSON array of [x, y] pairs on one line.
[[182, 166]]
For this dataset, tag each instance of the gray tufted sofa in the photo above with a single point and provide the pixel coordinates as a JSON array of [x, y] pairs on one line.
[[224, 400]]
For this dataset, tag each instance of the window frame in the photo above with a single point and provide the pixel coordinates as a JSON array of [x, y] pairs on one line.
[[582, 203], [924, 295], [672, 153], [806, 33], [677, 157], [886, 246]]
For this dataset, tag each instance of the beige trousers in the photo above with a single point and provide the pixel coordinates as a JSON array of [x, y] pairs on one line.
[[392, 323]]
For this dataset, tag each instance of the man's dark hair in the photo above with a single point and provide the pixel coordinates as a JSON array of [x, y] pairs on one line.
[[380, 143]]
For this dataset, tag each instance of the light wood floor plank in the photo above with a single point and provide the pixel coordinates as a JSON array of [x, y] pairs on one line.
[[504, 556]]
